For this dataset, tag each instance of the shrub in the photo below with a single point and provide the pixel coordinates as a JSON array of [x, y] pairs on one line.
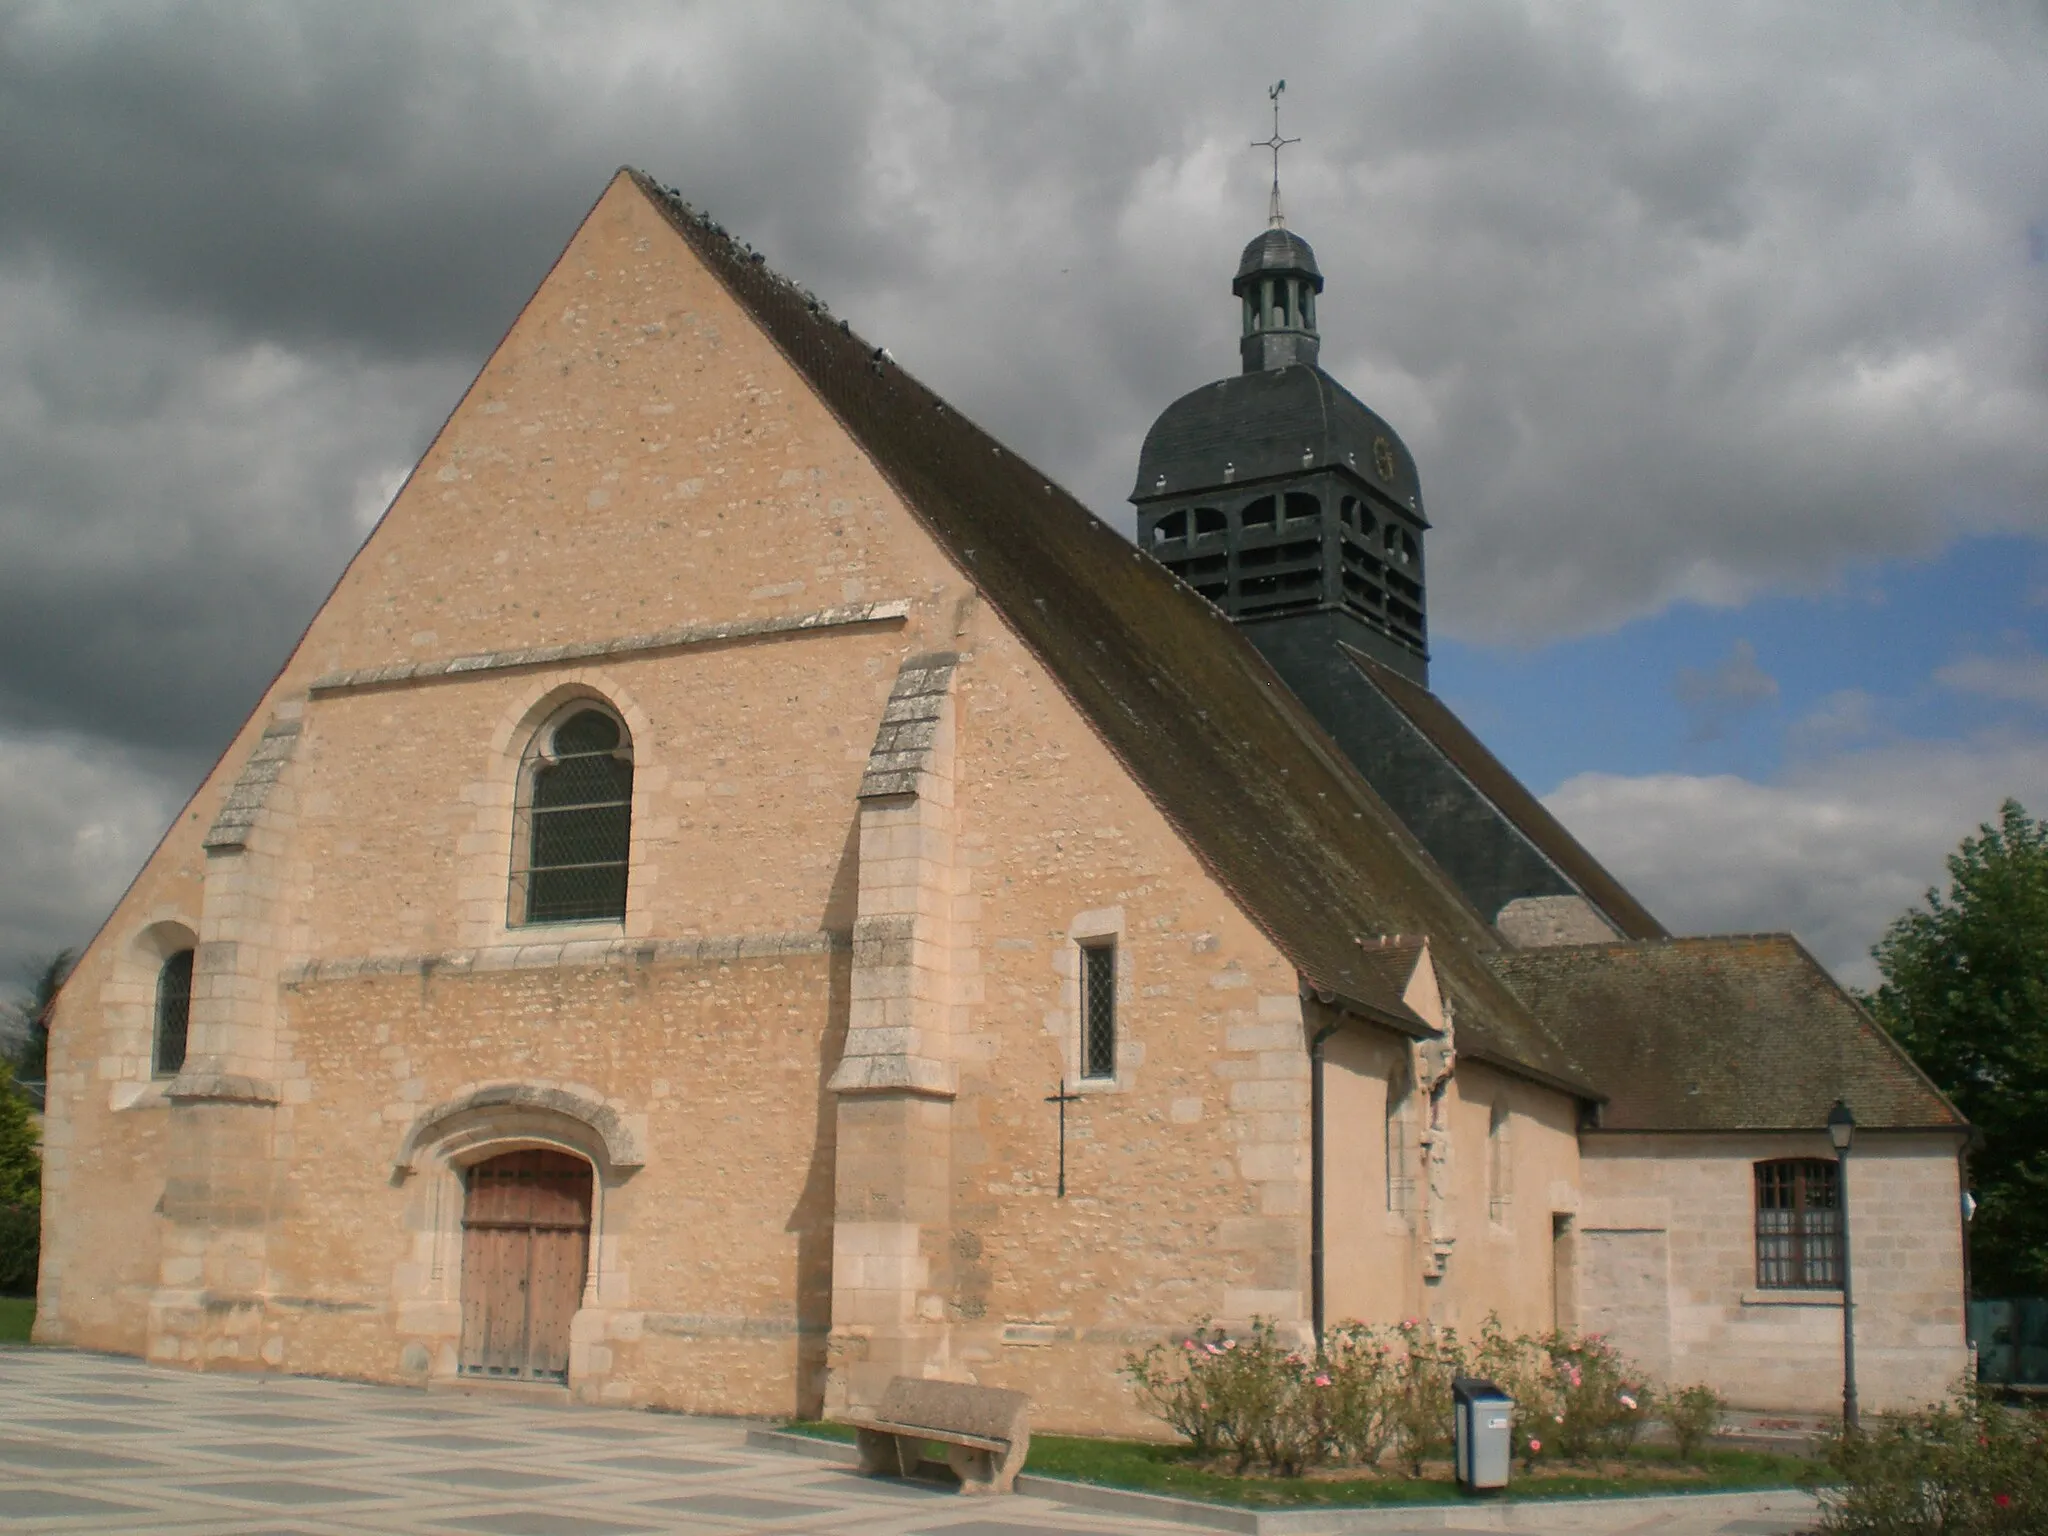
[[1359, 1403], [1377, 1393], [1596, 1403], [1186, 1400], [1967, 1465], [1420, 1392], [1692, 1414]]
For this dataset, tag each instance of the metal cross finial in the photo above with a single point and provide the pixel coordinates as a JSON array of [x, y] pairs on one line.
[[1274, 218]]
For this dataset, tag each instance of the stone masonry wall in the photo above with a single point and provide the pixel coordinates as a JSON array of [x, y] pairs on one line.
[[1668, 1269], [636, 460]]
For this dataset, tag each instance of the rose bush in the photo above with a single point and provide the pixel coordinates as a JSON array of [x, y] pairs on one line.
[[1374, 1394], [1966, 1467]]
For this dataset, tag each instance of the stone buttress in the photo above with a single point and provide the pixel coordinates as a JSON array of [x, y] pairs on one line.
[[896, 1081], [225, 1171]]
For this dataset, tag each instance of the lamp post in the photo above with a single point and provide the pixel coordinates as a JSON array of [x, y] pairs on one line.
[[1841, 1131]]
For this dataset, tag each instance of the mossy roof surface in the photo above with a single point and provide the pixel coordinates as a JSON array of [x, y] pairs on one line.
[[1739, 1032], [1204, 726]]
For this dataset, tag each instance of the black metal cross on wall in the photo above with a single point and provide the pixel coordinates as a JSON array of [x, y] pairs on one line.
[[1063, 1099]]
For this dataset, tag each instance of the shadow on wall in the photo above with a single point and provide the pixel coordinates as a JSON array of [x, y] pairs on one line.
[[812, 1218]]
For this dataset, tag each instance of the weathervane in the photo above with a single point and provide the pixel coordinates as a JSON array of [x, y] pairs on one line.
[[1274, 218]]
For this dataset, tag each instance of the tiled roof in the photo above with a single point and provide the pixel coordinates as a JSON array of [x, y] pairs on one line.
[[1202, 724], [1486, 773], [1741, 1032]]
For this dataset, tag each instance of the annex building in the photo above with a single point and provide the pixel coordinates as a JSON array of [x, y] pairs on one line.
[[747, 888]]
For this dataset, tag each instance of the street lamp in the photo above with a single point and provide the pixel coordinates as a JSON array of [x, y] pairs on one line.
[[1841, 1131]]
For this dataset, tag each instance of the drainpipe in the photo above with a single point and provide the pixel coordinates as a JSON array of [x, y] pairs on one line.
[[1315, 1179]]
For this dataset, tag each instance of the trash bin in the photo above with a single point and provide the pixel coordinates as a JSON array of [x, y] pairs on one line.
[[1485, 1425]]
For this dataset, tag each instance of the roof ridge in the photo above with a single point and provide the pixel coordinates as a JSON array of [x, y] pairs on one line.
[[1200, 722]]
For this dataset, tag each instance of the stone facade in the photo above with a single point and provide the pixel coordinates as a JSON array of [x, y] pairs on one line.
[[1667, 1264], [810, 1067]]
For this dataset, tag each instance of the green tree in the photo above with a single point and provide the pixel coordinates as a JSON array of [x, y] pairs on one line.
[[21, 1189], [32, 1053], [1966, 992]]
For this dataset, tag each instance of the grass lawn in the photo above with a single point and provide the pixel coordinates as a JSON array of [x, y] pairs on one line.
[[1154, 1468], [17, 1316]]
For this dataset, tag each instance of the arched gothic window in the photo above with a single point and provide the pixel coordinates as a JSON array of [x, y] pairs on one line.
[[173, 1013], [575, 820]]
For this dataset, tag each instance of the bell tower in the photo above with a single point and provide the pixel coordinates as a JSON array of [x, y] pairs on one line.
[[1280, 497]]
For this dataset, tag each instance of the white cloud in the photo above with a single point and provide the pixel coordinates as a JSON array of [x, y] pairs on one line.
[[1833, 852], [2021, 678]]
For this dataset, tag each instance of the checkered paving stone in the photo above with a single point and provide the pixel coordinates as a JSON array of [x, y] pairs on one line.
[[113, 1447]]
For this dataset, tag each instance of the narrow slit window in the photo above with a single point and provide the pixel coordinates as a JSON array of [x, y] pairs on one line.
[[173, 1013], [1098, 1011], [1500, 1165], [1400, 1149], [579, 815]]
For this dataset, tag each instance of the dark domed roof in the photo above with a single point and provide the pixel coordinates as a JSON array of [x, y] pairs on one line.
[[1279, 250], [1277, 421]]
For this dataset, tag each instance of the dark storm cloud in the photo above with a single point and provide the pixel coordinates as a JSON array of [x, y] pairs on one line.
[[1675, 302]]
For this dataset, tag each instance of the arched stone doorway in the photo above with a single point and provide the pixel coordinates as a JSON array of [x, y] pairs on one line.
[[525, 1254]]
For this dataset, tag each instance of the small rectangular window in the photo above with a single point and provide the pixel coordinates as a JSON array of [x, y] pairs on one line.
[[1098, 1011]]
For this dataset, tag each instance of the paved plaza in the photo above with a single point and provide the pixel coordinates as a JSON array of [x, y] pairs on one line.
[[96, 1443]]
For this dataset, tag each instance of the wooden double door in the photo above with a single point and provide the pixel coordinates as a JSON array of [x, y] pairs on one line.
[[525, 1250]]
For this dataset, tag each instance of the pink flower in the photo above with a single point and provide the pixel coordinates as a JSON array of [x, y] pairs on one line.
[[1322, 1381], [1212, 1349], [1535, 1446], [1558, 1417], [1187, 1343], [1230, 1343], [2002, 1500], [1628, 1402], [1577, 1379]]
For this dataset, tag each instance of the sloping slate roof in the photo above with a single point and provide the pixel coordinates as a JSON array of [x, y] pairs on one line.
[[1203, 725], [1742, 1032], [1487, 774], [1268, 423]]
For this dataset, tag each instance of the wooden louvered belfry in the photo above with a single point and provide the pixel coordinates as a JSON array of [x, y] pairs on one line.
[[525, 1250]]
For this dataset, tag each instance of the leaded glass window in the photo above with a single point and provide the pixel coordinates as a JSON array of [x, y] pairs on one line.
[[579, 814], [1098, 1010], [1798, 1225], [173, 1012]]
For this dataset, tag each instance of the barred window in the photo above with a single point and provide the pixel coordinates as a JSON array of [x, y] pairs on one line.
[[173, 1012], [1098, 1011], [576, 817], [1798, 1225]]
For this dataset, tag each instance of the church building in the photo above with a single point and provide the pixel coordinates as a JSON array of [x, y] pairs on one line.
[[746, 888]]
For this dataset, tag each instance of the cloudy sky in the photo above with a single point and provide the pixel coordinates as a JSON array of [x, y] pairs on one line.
[[1720, 331]]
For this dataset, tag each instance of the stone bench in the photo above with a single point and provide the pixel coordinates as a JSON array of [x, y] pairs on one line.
[[986, 1432]]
